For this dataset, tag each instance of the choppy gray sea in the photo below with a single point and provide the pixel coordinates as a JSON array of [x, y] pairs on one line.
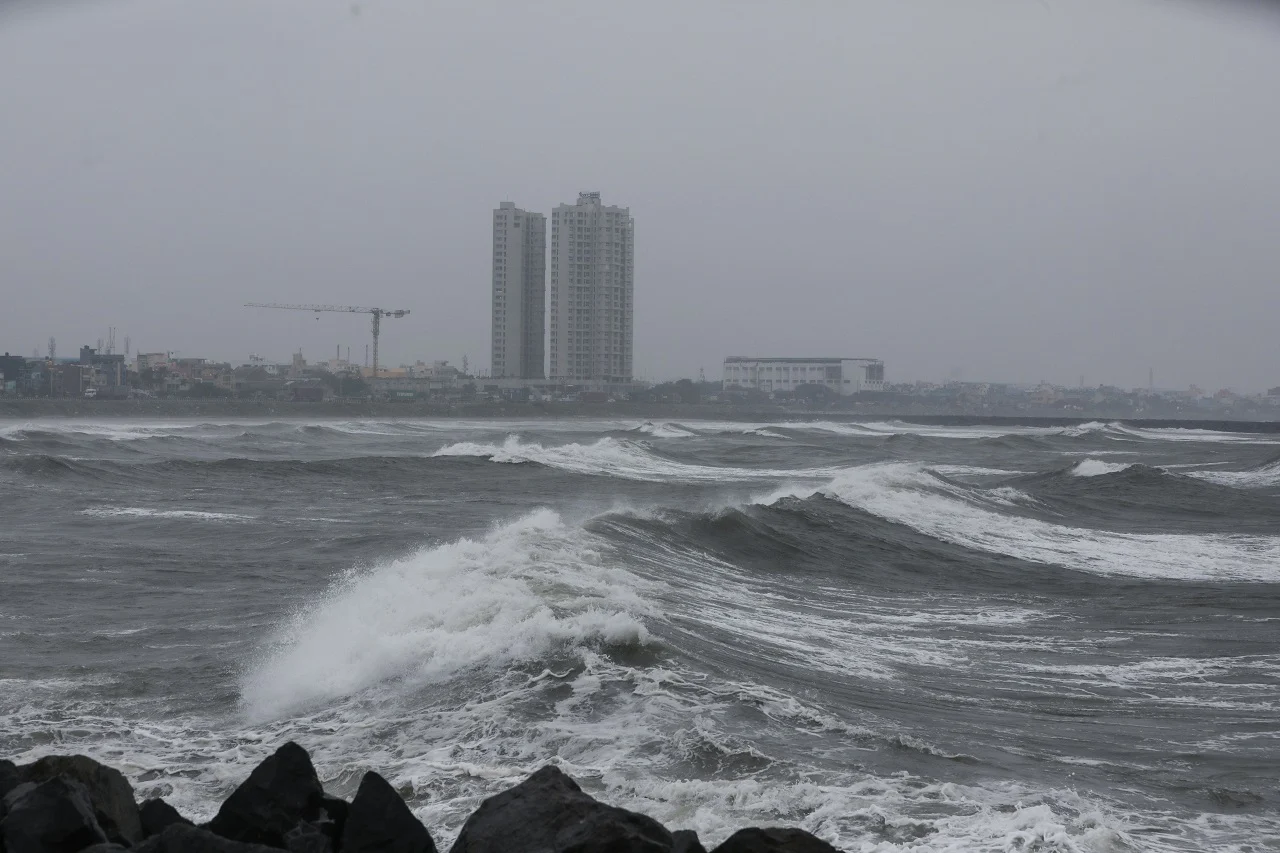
[[899, 637]]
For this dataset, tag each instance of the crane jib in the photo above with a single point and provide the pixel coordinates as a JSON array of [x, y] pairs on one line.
[[377, 315]]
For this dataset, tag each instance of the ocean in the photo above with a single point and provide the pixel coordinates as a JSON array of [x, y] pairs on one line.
[[898, 637]]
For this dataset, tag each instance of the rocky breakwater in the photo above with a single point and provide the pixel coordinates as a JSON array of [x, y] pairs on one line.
[[66, 804]]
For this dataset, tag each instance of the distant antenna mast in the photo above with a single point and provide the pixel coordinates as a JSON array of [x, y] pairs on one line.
[[1151, 379], [53, 348], [702, 375], [126, 346], [464, 364], [111, 340]]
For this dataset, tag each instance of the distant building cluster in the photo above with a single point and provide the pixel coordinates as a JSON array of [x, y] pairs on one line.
[[841, 376], [113, 376], [591, 325], [566, 332]]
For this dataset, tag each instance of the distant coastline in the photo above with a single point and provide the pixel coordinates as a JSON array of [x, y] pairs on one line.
[[177, 408]]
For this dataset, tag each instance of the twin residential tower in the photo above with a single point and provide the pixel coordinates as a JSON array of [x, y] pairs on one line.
[[592, 283]]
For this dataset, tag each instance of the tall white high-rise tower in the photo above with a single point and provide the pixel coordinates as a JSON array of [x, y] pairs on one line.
[[519, 293], [592, 282]]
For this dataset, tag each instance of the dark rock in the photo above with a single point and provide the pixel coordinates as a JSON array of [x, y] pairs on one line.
[[107, 847], [10, 792], [16, 793], [53, 817], [309, 837], [336, 810], [774, 840], [279, 793], [109, 792], [380, 822], [156, 815], [686, 841], [184, 838], [549, 813], [9, 777]]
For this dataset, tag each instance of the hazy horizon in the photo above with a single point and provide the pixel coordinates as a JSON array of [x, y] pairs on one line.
[[999, 190]]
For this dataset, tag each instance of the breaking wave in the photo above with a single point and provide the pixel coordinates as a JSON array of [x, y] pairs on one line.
[[1266, 475], [912, 495], [1097, 468], [520, 592], [617, 458]]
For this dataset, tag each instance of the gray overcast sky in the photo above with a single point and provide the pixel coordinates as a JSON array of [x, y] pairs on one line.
[[995, 189]]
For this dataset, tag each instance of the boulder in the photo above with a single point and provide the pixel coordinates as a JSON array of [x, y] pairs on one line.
[[156, 815], [9, 777], [380, 822], [309, 837], [336, 811], [280, 792], [686, 841], [53, 817], [109, 792], [774, 840], [9, 780], [549, 813], [323, 834], [184, 838], [14, 794]]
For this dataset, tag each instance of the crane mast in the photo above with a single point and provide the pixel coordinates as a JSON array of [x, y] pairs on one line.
[[377, 314]]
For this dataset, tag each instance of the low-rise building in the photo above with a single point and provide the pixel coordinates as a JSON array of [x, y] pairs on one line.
[[844, 376], [13, 371], [106, 373], [152, 361]]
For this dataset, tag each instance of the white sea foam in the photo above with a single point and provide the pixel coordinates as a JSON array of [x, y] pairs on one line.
[[114, 432], [909, 494], [143, 512], [615, 731], [619, 458], [973, 471], [1196, 435], [666, 430], [1256, 478], [513, 595], [1097, 468], [1084, 429]]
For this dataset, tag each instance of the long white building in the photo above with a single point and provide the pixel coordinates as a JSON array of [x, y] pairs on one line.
[[519, 293], [845, 376], [592, 282]]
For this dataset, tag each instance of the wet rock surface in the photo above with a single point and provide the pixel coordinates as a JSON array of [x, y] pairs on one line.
[[72, 804]]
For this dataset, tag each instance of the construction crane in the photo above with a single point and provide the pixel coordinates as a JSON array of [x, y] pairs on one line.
[[378, 314]]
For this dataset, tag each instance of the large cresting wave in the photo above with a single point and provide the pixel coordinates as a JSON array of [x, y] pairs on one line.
[[526, 588]]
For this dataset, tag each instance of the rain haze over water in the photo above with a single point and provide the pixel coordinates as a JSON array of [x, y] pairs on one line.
[[993, 190]]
